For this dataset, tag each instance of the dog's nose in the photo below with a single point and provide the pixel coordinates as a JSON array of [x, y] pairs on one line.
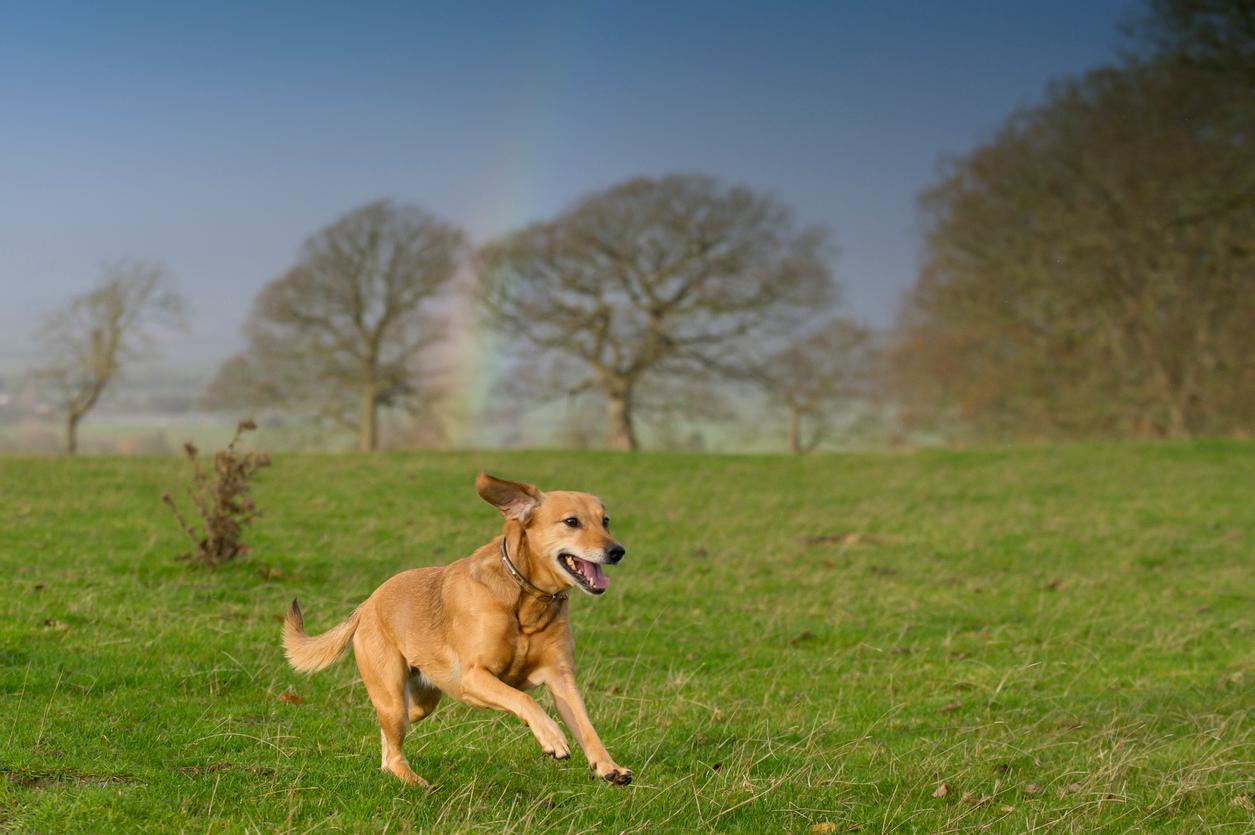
[[615, 552]]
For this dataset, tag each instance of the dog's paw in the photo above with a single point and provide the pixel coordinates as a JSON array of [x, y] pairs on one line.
[[407, 776], [553, 741], [613, 774]]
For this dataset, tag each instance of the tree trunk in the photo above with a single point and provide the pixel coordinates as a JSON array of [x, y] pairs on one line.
[[795, 430], [368, 425], [622, 435], [71, 433]]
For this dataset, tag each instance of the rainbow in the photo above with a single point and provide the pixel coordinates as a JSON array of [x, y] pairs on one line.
[[518, 191]]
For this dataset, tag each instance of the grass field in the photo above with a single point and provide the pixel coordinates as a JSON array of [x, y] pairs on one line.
[[1063, 637]]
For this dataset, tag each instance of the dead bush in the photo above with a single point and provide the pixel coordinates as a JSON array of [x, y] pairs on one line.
[[221, 496]]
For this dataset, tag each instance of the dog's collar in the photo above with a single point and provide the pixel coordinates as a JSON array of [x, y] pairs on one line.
[[526, 584]]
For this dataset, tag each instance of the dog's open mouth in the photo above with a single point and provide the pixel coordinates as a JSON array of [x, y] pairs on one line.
[[588, 575]]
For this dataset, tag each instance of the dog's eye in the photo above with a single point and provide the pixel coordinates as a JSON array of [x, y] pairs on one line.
[[605, 522], [571, 522]]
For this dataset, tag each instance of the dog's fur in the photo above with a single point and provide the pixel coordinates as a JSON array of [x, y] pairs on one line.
[[470, 630]]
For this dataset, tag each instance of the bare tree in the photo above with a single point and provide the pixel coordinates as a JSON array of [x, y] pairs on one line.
[[651, 280], [814, 375], [89, 342], [343, 332]]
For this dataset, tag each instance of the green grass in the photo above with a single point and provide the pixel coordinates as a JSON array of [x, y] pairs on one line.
[[1064, 636]]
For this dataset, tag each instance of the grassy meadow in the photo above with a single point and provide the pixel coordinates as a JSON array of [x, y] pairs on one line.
[[1054, 639]]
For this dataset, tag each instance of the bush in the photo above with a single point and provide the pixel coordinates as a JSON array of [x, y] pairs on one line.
[[222, 499]]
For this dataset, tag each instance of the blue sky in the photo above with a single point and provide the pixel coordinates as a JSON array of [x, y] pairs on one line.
[[217, 136]]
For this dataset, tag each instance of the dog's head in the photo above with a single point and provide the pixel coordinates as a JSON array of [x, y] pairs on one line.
[[569, 532]]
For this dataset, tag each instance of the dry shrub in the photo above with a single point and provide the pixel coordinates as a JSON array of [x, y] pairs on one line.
[[222, 499]]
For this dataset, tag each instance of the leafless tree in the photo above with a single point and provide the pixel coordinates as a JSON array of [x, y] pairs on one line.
[[653, 280], [817, 374], [343, 332], [88, 343]]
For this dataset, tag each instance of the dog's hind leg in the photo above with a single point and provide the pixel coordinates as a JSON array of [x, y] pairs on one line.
[[386, 675]]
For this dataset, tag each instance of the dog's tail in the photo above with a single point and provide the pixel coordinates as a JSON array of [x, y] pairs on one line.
[[309, 655]]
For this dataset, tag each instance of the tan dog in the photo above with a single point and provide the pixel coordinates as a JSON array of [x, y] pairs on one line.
[[483, 629]]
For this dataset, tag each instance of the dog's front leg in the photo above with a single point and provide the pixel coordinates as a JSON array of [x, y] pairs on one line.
[[480, 688], [566, 696]]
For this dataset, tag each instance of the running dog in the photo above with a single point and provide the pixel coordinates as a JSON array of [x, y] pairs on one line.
[[484, 629]]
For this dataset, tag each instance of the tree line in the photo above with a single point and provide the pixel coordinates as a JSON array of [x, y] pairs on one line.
[[1090, 271], [1086, 273], [637, 292]]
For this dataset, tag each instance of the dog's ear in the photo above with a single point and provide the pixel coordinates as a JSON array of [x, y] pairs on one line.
[[514, 499]]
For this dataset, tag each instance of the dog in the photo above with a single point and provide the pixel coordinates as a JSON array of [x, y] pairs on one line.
[[484, 629]]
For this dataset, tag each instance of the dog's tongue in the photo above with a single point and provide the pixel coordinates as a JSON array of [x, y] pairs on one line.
[[593, 573]]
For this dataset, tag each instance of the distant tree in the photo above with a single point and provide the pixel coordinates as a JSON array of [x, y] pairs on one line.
[[649, 282], [815, 375], [88, 343], [1207, 42], [1091, 270], [343, 332]]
